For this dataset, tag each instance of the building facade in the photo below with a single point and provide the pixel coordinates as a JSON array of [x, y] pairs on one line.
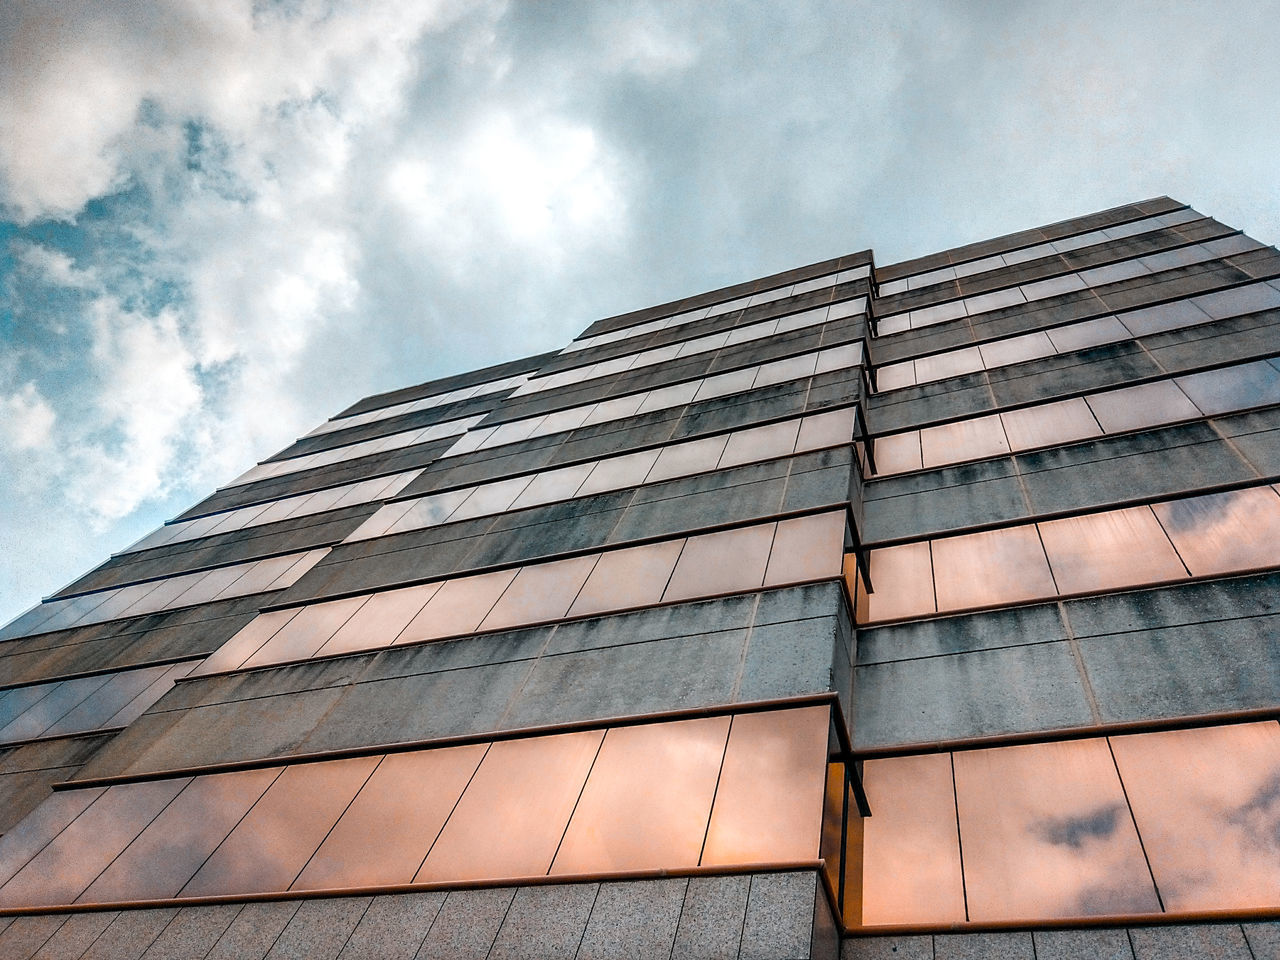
[[921, 611]]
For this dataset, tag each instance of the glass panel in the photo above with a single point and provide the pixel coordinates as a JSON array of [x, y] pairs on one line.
[[385, 834], [291, 570], [177, 842], [138, 705], [540, 592], [785, 371], [1001, 353], [553, 485], [269, 846], [1046, 832], [963, 440], [646, 803], [953, 363], [430, 511], [1233, 388], [998, 566], [212, 584], [903, 580], [489, 498], [380, 621], [563, 420], [307, 632], [14, 702], [106, 701], [994, 300], [725, 384], [246, 642], [1205, 802], [807, 548], [769, 801], [760, 443], [1050, 424], [513, 814], [910, 845], [723, 562], [675, 395], [1142, 406], [60, 872], [1101, 551], [894, 375], [1090, 333], [618, 473], [634, 577], [898, 452], [1222, 532], [61, 699], [684, 459], [33, 832], [825, 430], [458, 606]]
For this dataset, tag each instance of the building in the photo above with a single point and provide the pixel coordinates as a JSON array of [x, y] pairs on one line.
[[609, 652]]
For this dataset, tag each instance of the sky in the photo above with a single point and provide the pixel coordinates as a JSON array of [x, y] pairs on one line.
[[221, 222]]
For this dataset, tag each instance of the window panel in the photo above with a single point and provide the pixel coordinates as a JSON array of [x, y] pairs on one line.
[[618, 473], [903, 581], [307, 632], [174, 845], [1233, 388], [31, 834], [491, 498], [676, 395], [1089, 333], [106, 701], [910, 843], [1141, 406], [898, 452], [1109, 550], [49, 709], [1223, 532], [539, 592], [825, 430], [892, 376], [806, 548], [784, 371], [514, 812], [458, 606], [647, 801], [67, 865], [16, 701], [269, 847], [768, 803], [963, 440], [760, 443], [726, 384], [996, 566], [138, 705], [1031, 346], [1050, 424], [381, 620], [553, 485], [996, 300], [724, 562], [246, 642], [433, 509], [1046, 833], [385, 834], [632, 577], [1205, 802], [685, 459], [953, 363]]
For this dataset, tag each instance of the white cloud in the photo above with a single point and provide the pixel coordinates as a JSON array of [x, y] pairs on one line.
[[26, 419]]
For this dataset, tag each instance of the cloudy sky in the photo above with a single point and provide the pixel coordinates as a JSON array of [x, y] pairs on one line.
[[221, 221]]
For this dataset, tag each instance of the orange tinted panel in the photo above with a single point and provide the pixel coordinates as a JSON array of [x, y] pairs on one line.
[[807, 548], [769, 802], [512, 816], [380, 620], [269, 846], [911, 848], [1206, 801], [307, 632], [1222, 532], [1050, 423], [1102, 551], [245, 643], [1046, 833], [62, 870], [963, 440], [898, 452], [723, 562], [458, 606], [386, 832], [998, 566], [648, 798], [903, 580], [634, 577], [541, 591], [171, 849]]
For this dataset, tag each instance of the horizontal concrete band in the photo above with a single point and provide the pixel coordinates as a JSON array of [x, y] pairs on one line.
[[528, 881]]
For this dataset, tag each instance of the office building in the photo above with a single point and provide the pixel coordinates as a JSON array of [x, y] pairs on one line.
[[923, 611]]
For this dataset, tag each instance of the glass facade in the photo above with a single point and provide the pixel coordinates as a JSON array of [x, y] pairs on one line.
[[924, 609]]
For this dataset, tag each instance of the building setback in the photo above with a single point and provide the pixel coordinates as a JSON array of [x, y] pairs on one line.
[[920, 611]]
